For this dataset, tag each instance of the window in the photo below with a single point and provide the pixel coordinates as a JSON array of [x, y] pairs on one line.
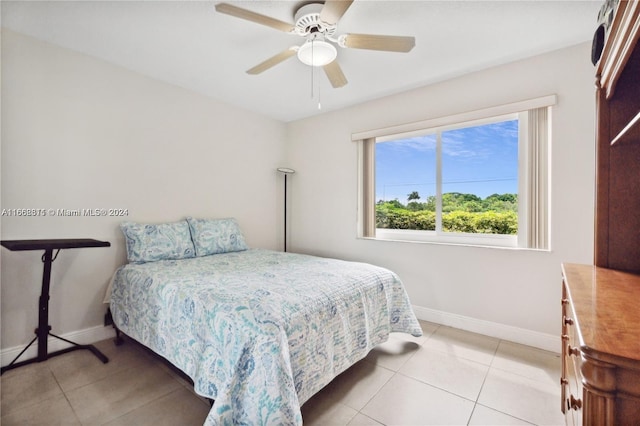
[[477, 178]]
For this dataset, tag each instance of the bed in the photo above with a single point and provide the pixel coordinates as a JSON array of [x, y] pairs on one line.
[[258, 331]]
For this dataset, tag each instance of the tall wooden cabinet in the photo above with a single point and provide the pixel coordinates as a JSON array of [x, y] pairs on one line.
[[601, 302], [617, 242]]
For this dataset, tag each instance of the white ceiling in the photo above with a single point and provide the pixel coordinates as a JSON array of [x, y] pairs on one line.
[[189, 44]]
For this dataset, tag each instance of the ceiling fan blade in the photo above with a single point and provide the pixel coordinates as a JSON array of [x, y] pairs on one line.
[[335, 74], [378, 42], [272, 61], [254, 17], [333, 10]]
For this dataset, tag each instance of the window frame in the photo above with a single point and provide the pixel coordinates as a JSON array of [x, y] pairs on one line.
[[527, 206]]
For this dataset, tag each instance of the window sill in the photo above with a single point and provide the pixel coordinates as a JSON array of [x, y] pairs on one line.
[[508, 242]]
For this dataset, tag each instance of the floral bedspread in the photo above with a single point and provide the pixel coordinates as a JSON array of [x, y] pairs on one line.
[[260, 331]]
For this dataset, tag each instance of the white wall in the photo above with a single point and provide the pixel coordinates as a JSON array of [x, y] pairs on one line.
[[499, 290], [81, 133]]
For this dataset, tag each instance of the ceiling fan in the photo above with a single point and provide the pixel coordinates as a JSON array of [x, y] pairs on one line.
[[317, 23]]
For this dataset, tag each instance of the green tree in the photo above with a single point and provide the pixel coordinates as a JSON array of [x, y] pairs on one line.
[[496, 214], [395, 204], [415, 206], [472, 206], [430, 204]]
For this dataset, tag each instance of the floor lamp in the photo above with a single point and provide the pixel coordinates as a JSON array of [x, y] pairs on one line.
[[285, 171]]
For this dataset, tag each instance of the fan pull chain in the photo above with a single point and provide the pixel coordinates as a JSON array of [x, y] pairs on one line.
[[319, 104]]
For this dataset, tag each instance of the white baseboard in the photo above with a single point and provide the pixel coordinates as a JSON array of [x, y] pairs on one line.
[[82, 337], [536, 339], [548, 342]]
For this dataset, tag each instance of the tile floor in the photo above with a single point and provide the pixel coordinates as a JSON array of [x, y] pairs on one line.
[[447, 376]]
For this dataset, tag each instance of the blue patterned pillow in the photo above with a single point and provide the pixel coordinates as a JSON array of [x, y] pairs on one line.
[[212, 236], [152, 242]]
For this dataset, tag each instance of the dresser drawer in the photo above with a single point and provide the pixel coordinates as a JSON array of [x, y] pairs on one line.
[[571, 392], [574, 397]]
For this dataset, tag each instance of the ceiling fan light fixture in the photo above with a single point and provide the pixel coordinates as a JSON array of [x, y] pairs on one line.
[[317, 53]]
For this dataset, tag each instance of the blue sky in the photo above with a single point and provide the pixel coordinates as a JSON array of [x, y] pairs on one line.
[[480, 160]]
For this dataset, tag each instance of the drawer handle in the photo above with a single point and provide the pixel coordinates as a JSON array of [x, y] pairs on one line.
[[573, 351], [564, 381], [565, 301], [567, 321], [573, 403]]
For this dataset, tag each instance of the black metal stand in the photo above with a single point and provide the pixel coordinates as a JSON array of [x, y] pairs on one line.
[[286, 171], [44, 329], [285, 212]]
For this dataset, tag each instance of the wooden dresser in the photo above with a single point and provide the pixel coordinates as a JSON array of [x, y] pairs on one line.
[[601, 304], [601, 346]]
